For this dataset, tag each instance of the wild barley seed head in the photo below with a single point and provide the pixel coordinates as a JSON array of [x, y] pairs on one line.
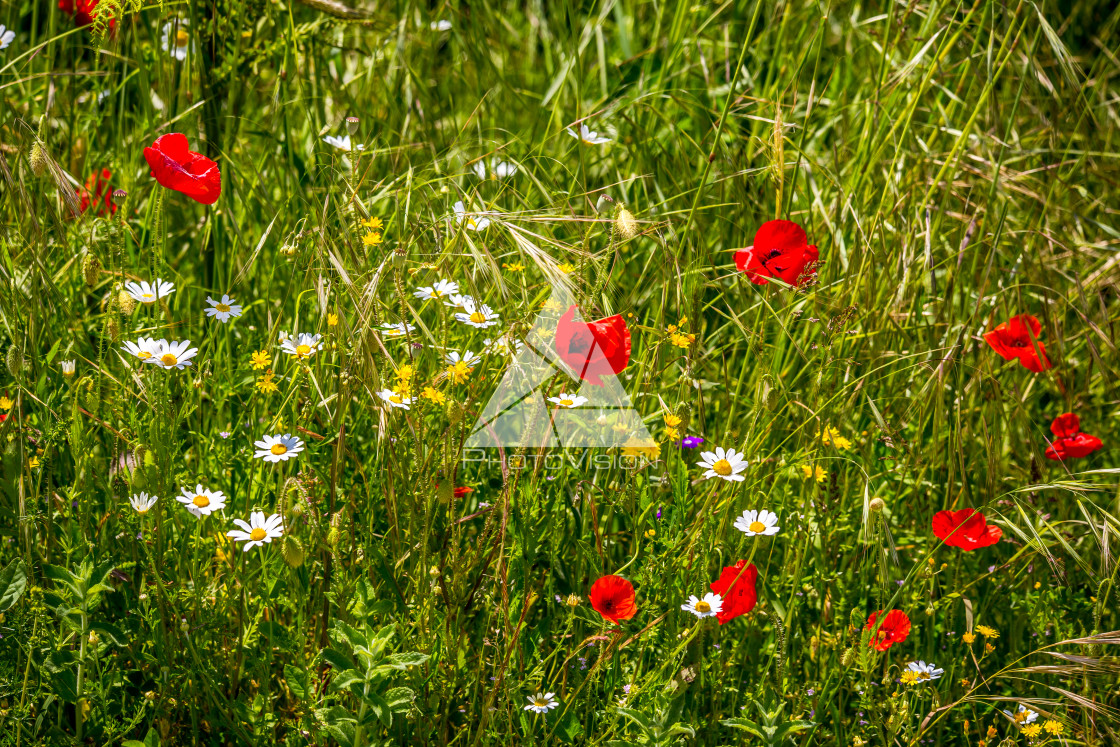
[[38, 159]]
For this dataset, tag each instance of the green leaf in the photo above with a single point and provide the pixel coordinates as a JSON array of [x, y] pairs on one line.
[[340, 661], [399, 698], [297, 681], [13, 582], [378, 705], [408, 659], [112, 632], [65, 685]]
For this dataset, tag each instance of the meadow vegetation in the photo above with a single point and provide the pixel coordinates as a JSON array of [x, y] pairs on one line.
[[263, 265]]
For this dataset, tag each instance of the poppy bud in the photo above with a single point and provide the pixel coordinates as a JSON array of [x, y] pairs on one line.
[[625, 224], [877, 504], [856, 619], [352, 125], [126, 303], [91, 268], [14, 360], [38, 159], [119, 196], [292, 551]]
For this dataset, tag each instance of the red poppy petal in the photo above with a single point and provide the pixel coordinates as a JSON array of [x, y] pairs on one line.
[[780, 235], [1065, 425]]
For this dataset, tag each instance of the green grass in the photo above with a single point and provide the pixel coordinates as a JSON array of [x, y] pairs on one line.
[[956, 164]]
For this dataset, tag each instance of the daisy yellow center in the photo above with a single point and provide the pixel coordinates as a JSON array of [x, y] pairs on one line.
[[279, 449], [181, 38], [396, 399], [258, 534], [703, 607], [757, 527], [147, 295], [567, 402], [143, 355], [541, 703], [471, 223], [201, 501], [141, 510], [303, 349], [437, 294], [478, 317], [923, 675], [169, 360], [722, 467], [222, 308]]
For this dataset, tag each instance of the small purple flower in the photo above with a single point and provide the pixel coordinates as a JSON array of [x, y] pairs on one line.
[[991, 569], [691, 442], [224, 434], [810, 692], [626, 689], [659, 514], [73, 504], [900, 581]]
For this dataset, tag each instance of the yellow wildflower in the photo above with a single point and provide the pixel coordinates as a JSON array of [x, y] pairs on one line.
[[34, 462], [1053, 727], [682, 340], [513, 267], [989, 648], [1032, 731], [646, 447], [459, 371], [5, 402], [909, 677], [332, 320], [433, 395], [373, 238], [672, 421], [672, 434], [565, 267], [813, 472], [374, 223], [405, 372], [969, 638], [992, 733], [987, 632], [832, 436], [266, 385], [260, 359]]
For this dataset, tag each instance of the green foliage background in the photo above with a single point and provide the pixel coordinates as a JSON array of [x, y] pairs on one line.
[[956, 163]]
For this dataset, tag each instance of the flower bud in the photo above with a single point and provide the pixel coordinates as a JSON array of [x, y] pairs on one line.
[[625, 224], [38, 159], [14, 360], [119, 197], [876, 505], [352, 125], [292, 551], [91, 269]]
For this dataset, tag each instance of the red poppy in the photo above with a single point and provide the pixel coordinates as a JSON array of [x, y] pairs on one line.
[[84, 11], [1069, 441], [613, 598], [98, 193], [895, 628], [177, 167], [966, 529], [1018, 338], [735, 586], [781, 250], [596, 349]]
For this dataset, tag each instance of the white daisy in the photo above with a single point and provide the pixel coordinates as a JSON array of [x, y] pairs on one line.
[[278, 448], [477, 316], [473, 221], [396, 330], [258, 530], [202, 502], [725, 464], [1023, 716], [441, 25], [142, 348], [588, 136], [467, 358], [342, 143], [924, 672], [145, 292], [302, 346], [498, 169], [68, 368], [394, 399], [542, 702], [173, 354], [143, 503], [568, 400], [459, 300], [6, 36], [442, 289], [753, 523], [223, 309], [503, 345], [175, 40], [709, 606]]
